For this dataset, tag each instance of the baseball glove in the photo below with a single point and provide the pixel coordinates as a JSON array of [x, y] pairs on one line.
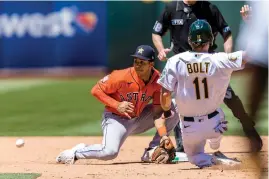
[[165, 152]]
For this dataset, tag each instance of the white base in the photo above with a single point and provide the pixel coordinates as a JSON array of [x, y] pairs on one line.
[[180, 157]]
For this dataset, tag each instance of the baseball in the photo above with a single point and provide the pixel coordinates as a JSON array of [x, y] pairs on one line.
[[19, 142]]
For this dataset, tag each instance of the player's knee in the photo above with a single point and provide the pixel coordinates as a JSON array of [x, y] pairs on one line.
[[110, 154]]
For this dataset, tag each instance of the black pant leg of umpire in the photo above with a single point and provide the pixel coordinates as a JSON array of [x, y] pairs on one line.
[[235, 104], [257, 87]]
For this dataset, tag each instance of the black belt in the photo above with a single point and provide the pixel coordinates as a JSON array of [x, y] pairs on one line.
[[191, 119]]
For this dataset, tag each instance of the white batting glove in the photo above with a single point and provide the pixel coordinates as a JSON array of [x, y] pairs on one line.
[[221, 127]]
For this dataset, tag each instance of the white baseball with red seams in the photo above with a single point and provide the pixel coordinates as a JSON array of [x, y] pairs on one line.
[[19, 142]]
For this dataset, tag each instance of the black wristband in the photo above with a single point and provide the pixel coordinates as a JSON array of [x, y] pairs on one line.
[[167, 113]]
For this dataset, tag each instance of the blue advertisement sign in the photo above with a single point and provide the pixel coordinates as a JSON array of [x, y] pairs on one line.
[[53, 34]]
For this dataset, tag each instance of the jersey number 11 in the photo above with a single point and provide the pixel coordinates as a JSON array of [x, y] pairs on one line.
[[197, 89]]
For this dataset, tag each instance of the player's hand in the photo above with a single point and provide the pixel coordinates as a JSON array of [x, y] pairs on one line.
[[165, 139], [246, 12], [221, 127], [126, 108], [166, 101], [162, 54]]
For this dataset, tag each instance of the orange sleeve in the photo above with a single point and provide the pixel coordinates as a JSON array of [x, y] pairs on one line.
[[107, 85], [156, 96], [110, 83]]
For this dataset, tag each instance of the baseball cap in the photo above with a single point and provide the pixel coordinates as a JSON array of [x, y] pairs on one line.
[[145, 52]]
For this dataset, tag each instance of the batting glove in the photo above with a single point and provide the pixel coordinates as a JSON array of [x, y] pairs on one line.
[[221, 127]]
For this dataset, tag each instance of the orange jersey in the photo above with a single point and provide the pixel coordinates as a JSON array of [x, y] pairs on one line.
[[125, 85]]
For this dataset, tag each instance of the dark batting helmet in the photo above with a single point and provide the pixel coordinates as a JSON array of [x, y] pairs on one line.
[[200, 32]]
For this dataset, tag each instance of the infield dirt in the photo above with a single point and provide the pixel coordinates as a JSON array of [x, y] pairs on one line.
[[39, 153]]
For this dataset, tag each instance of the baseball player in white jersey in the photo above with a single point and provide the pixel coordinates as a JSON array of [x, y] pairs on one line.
[[199, 81]]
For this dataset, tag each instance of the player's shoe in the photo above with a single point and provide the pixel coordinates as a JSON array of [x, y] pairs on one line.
[[146, 157], [68, 156], [255, 139], [223, 162]]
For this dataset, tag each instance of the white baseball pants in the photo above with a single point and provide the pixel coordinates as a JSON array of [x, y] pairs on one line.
[[195, 134], [116, 129]]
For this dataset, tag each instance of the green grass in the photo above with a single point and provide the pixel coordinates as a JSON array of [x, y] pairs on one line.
[[57, 108], [66, 108], [19, 175]]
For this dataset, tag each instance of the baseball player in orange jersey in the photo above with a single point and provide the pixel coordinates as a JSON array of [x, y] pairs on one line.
[[126, 95]]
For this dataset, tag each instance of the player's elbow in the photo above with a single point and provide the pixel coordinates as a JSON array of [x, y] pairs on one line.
[[156, 37], [228, 44], [94, 91]]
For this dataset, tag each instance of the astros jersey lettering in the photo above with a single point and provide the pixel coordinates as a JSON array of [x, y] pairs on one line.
[[199, 80], [124, 85]]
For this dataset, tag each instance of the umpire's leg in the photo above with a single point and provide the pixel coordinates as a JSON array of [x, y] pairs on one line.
[[258, 86], [235, 104]]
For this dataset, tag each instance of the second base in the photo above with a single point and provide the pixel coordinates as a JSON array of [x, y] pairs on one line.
[[180, 157]]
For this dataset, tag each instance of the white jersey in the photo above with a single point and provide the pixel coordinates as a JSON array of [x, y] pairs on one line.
[[199, 80]]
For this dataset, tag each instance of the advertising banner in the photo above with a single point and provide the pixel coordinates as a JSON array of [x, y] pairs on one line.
[[52, 34]]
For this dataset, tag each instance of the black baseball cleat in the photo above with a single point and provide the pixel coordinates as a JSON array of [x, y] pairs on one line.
[[146, 156], [255, 139]]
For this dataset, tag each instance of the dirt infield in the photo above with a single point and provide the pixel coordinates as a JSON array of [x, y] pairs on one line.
[[38, 156]]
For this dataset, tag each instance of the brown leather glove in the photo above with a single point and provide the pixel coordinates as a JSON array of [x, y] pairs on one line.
[[165, 152]]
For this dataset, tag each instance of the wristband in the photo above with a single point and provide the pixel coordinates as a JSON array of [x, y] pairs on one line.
[[162, 131]]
